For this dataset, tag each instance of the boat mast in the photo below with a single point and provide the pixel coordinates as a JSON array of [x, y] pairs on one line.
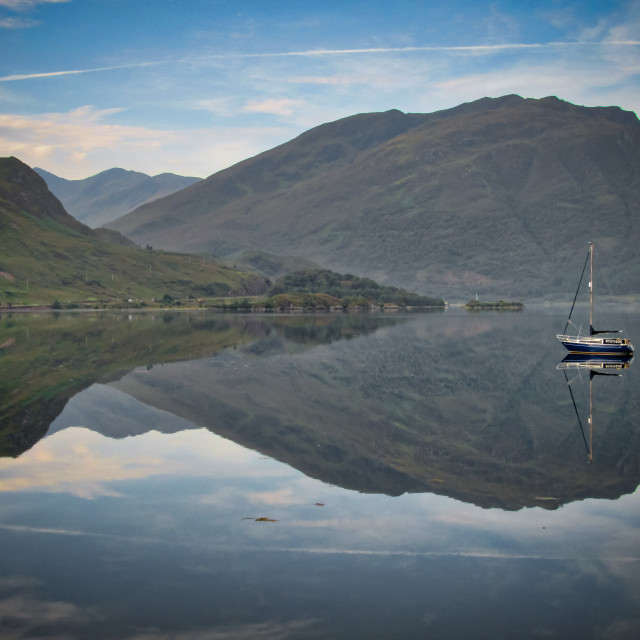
[[584, 268], [591, 290]]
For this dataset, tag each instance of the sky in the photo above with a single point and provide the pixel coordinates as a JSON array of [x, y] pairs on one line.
[[194, 86]]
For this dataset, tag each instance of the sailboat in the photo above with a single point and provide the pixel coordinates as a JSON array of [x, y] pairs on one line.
[[592, 343]]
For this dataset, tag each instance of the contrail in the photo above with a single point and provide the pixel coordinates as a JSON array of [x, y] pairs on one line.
[[463, 48], [71, 72], [481, 48]]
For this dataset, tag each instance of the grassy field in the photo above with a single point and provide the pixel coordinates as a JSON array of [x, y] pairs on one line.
[[43, 262]]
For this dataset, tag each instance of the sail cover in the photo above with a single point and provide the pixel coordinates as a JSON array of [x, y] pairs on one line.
[[593, 332]]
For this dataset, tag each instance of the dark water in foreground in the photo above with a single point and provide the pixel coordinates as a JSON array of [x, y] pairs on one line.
[[183, 475]]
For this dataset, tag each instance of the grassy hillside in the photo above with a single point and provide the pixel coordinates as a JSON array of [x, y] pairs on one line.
[[259, 183], [46, 256], [498, 197]]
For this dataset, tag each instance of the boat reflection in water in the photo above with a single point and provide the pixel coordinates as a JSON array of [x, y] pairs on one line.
[[595, 365]]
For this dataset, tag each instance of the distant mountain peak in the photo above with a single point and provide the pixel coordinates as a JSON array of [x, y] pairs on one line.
[[112, 193]]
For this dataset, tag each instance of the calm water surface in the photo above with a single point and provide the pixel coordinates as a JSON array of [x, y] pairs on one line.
[[424, 475]]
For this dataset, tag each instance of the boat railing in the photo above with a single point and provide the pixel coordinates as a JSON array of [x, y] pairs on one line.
[[584, 339], [578, 329]]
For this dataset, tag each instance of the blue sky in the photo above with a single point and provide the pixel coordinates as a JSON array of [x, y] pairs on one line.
[[194, 86]]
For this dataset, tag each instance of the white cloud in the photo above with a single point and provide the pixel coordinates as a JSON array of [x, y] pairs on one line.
[[222, 106], [322, 80], [82, 128], [587, 82], [67, 139], [499, 26], [17, 23], [23, 5], [275, 106]]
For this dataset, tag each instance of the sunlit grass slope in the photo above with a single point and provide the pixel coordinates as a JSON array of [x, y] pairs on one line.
[[47, 257]]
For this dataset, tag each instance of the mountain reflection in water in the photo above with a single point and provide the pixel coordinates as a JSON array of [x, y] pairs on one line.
[[305, 477], [375, 403]]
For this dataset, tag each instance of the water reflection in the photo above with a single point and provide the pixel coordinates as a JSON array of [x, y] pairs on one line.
[[248, 477], [47, 359], [595, 365], [372, 403]]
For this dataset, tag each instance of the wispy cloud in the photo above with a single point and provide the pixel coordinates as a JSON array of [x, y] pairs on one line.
[[17, 23], [311, 53], [83, 141], [275, 106], [586, 82], [71, 72], [224, 106], [322, 80], [75, 133], [479, 48], [23, 5]]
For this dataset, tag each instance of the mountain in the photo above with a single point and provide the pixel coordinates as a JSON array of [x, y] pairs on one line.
[[22, 190], [112, 193], [48, 256], [497, 197]]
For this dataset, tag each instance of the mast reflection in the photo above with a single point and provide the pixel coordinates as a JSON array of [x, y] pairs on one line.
[[596, 365]]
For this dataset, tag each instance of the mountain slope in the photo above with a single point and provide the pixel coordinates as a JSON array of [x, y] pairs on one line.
[[46, 255], [497, 197], [110, 194]]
